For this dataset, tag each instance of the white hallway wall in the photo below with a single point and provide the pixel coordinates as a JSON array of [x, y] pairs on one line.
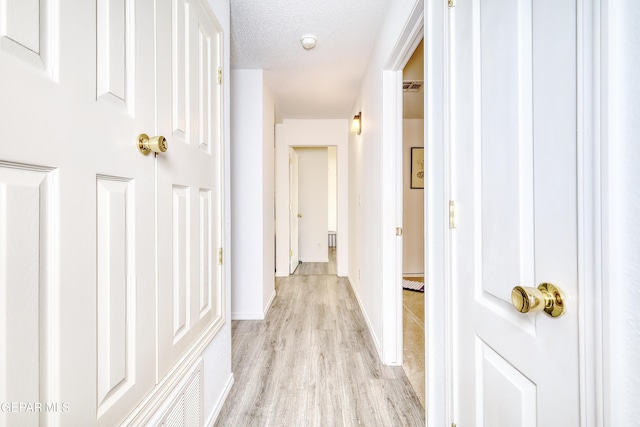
[[252, 171], [365, 166], [311, 133], [313, 190]]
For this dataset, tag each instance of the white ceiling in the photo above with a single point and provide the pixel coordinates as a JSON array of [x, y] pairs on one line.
[[319, 83]]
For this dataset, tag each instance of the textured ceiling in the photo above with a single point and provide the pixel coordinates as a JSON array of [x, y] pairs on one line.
[[319, 83]]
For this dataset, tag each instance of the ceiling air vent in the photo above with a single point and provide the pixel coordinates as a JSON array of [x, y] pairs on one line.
[[412, 85]]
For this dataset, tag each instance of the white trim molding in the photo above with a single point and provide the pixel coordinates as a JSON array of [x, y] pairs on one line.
[[220, 403], [591, 172], [391, 200], [439, 373]]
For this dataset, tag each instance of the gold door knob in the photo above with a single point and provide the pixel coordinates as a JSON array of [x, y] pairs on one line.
[[157, 144], [299, 215], [547, 297]]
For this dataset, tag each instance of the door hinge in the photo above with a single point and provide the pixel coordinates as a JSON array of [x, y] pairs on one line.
[[219, 256], [452, 4], [290, 254], [452, 214], [398, 231], [219, 75]]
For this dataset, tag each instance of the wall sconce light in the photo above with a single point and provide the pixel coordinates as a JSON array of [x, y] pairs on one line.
[[356, 124]]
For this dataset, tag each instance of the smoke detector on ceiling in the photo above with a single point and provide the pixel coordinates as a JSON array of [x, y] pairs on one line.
[[308, 41]]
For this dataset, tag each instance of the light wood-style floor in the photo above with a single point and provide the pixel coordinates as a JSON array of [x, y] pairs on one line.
[[312, 362], [413, 340]]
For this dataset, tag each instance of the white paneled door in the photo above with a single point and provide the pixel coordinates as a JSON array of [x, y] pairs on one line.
[[78, 294], [513, 166], [189, 180]]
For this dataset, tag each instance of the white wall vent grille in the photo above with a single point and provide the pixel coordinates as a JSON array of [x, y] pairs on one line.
[[185, 407]]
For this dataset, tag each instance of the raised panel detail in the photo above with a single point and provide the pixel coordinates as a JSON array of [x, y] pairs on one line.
[[181, 261], [180, 66], [20, 22], [28, 288], [205, 90], [506, 397], [116, 283], [504, 157], [115, 41], [206, 252], [26, 30]]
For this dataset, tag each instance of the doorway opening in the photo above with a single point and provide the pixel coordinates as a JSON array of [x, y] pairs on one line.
[[313, 210], [296, 134], [412, 264], [397, 175]]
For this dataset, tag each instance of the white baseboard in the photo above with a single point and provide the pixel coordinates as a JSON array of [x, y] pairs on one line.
[[254, 315], [366, 319], [220, 403], [412, 274], [315, 259], [268, 306]]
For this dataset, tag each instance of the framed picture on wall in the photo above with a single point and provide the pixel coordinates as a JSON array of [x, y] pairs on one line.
[[417, 167]]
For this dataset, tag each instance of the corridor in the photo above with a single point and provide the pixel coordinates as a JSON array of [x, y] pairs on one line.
[[312, 362]]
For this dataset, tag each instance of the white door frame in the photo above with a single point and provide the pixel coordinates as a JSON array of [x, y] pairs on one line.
[[593, 215], [392, 212], [438, 306], [392, 165], [289, 131]]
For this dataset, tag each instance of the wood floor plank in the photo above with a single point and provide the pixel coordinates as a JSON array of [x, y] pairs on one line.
[[413, 341], [312, 362]]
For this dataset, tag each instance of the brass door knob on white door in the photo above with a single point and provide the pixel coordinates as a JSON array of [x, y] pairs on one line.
[[299, 215], [547, 297], [157, 144]]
